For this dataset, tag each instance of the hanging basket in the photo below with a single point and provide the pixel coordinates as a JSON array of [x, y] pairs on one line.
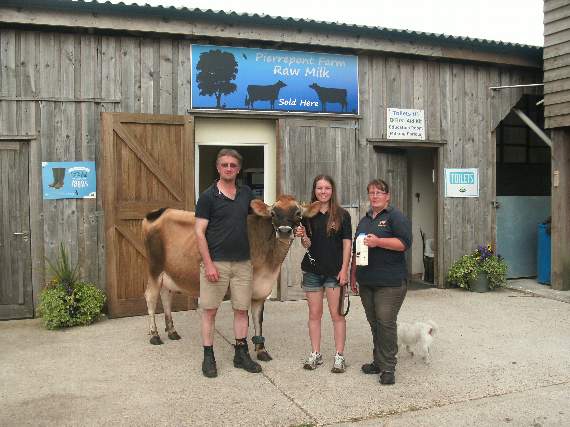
[[480, 284]]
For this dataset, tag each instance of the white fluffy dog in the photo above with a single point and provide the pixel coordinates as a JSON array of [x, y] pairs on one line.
[[417, 337]]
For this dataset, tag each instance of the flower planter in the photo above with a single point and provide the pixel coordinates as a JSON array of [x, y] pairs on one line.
[[480, 284]]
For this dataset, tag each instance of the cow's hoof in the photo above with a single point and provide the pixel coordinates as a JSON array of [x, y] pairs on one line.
[[155, 340], [264, 356], [173, 335]]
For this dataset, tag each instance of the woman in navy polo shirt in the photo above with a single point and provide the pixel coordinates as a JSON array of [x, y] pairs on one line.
[[327, 238], [383, 282]]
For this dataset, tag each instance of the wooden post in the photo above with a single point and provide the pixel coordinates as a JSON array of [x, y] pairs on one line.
[[560, 274]]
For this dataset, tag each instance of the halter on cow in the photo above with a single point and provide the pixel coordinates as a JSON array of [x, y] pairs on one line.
[[174, 260]]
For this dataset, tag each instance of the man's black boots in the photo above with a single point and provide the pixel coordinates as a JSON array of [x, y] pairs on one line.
[[242, 359], [209, 368]]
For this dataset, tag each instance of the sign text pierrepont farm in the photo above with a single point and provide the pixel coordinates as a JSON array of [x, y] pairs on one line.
[[235, 78]]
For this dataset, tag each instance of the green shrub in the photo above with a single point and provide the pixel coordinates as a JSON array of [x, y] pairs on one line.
[[66, 301], [482, 260], [62, 306]]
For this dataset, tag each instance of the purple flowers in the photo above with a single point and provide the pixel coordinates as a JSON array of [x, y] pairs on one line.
[[484, 252]]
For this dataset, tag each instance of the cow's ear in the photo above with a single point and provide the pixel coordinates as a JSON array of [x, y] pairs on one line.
[[259, 208], [311, 210]]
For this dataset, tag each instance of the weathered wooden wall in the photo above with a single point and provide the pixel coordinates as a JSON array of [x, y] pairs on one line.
[[556, 63], [557, 117], [53, 86], [461, 112]]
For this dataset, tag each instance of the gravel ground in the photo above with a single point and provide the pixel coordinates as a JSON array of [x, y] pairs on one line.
[[499, 357]]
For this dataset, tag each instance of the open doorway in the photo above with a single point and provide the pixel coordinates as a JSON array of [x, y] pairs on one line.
[[411, 171], [254, 139], [252, 171], [422, 205], [523, 188]]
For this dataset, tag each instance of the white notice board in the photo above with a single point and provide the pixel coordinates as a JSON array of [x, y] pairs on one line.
[[462, 182], [405, 124]]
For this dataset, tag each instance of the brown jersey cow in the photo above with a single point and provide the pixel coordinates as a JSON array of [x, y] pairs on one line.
[[174, 260]]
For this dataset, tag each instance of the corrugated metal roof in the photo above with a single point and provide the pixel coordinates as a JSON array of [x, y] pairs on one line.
[[223, 16]]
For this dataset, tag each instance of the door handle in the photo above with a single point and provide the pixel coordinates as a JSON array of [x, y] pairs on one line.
[[24, 234]]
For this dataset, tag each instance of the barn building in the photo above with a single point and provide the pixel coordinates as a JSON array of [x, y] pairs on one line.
[[125, 88], [557, 120]]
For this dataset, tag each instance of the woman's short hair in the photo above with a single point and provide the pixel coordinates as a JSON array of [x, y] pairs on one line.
[[380, 184]]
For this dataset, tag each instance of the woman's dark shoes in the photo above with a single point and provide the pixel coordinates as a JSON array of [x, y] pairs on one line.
[[387, 378], [370, 368]]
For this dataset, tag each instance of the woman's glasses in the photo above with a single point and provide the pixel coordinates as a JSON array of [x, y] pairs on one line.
[[377, 193]]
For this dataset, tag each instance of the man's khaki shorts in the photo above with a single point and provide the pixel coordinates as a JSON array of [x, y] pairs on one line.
[[237, 275]]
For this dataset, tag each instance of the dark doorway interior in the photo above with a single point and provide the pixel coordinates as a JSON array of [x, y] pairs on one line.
[[251, 172]]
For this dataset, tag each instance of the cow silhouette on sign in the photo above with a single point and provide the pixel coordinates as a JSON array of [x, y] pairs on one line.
[[263, 93], [330, 94]]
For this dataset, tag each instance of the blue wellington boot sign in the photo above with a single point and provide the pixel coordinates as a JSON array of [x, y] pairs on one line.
[[69, 180]]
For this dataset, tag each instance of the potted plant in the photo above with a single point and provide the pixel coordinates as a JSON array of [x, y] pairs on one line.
[[67, 301], [479, 271]]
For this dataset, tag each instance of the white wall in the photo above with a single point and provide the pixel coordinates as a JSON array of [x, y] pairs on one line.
[[247, 132], [423, 209]]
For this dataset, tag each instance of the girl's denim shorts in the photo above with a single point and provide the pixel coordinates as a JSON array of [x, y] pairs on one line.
[[315, 282]]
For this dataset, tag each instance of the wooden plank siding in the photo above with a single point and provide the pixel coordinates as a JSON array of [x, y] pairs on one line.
[[54, 86], [460, 112], [556, 63]]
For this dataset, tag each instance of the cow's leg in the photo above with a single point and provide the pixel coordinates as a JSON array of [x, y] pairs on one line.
[[151, 295], [258, 339], [166, 297]]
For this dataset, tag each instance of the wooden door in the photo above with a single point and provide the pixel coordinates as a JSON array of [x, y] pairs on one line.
[[312, 147], [148, 163], [392, 167], [15, 257]]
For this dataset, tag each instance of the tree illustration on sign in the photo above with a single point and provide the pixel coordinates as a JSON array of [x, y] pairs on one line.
[[216, 70]]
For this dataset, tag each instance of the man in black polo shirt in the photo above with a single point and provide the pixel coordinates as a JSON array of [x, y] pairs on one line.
[[221, 231]]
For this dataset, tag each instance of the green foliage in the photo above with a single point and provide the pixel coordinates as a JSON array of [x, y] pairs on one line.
[[62, 269], [66, 301], [482, 260]]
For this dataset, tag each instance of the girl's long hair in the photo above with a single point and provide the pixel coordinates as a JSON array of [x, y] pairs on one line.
[[335, 211]]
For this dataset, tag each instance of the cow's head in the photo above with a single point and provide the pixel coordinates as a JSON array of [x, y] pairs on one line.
[[286, 214]]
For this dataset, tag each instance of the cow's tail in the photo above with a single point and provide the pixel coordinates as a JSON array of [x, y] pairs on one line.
[[154, 215], [246, 102]]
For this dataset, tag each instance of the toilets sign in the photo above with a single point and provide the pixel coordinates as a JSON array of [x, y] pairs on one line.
[[69, 180], [462, 182]]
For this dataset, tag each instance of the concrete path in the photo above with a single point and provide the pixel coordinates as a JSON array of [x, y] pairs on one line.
[[499, 358]]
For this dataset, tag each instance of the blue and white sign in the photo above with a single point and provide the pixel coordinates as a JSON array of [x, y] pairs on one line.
[[234, 78], [462, 182], [69, 180]]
